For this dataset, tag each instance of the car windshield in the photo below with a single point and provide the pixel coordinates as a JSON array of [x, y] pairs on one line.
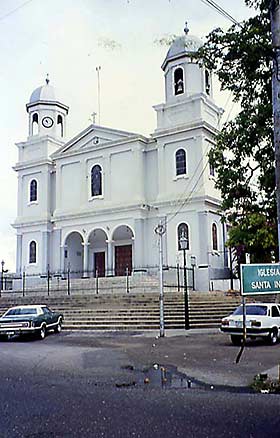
[[22, 311], [251, 310]]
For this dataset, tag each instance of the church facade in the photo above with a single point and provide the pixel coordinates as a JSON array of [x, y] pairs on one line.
[[93, 203]]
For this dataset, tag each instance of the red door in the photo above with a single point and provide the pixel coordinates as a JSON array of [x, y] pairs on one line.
[[99, 264], [123, 259]]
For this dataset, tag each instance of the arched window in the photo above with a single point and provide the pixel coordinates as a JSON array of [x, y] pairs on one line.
[[35, 124], [33, 191], [60, 122], [181, 167], [32, 252], [207, 82], [214, 237], [183, 231], [178, 81], [96, 180]]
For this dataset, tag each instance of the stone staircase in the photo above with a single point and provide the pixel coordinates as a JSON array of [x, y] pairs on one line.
[[136, 283], [130, 311]]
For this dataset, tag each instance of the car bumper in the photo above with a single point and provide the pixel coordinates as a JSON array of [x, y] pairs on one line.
[[249, 331], [18, 331]]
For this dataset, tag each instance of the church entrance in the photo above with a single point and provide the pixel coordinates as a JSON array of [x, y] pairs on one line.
[[97, 252], [73, 254], [123, 259], [99, 264]]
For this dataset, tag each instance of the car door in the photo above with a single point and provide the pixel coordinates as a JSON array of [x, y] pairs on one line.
[[48, 316], [275, 315]]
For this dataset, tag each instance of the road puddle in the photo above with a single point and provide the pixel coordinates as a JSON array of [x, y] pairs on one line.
[[157, 376], [166, 377]]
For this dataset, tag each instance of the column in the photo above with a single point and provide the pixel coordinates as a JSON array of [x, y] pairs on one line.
[[85, 182], [19, 254], [110, 247], [139, 244], [203, 267], [44, 252], [21, 197], [105, 177], [85, 266], [54, 244], [161, 172], [203, 239], [62, 258], [138, 186]]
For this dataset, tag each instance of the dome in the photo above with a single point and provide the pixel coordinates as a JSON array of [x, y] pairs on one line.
[[44, 93], [183, 45]]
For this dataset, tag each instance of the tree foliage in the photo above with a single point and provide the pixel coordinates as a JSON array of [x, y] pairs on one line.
[[244, 154]]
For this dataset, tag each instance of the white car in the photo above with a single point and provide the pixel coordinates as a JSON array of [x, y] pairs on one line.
[[262, 320]]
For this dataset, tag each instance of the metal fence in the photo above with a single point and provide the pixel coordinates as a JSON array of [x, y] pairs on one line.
[[141, 279]]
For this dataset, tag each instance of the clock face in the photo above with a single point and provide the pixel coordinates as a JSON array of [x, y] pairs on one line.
[[47, 122]]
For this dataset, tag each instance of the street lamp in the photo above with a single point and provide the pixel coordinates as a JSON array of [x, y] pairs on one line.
[[184, 246], [2, 275], [193, 263]]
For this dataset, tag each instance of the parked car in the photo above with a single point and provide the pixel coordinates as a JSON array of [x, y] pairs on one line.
[[36, 319], [262, 320]]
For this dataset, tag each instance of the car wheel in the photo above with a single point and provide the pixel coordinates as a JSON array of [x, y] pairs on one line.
[[42, 332], [58, 328], [273, 336], [236, 340]]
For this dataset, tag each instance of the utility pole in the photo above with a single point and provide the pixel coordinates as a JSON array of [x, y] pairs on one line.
[[160, 230], [275, 30], [98, 90]]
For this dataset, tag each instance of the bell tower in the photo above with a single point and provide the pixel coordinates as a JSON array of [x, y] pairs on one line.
[[188, 86], [47, 115], [37, 179], [184, 75]]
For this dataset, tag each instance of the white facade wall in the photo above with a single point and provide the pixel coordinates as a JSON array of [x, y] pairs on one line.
[[140, 187]]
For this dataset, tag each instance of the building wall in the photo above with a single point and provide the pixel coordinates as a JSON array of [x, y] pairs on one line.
[[140, 188]]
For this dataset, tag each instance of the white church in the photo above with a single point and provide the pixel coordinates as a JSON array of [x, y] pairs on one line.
[[93, 203]]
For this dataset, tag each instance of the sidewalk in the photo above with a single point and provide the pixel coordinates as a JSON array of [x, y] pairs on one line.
[[205, 355]]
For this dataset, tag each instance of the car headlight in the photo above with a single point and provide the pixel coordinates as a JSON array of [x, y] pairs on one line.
[[225, 322], [31, 323]]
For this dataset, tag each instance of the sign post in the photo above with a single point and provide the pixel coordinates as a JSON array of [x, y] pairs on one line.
[[257, 279]]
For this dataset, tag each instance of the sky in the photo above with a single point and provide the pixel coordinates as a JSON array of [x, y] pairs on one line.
[[68, 39]]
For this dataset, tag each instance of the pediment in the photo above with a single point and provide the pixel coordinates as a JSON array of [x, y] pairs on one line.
[[92, 138]]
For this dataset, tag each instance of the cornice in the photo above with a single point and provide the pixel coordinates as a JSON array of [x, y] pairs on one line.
[[200, 124], [56, 156], [31, 164]]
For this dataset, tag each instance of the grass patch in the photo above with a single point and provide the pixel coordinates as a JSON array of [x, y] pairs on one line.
[[263, 384]]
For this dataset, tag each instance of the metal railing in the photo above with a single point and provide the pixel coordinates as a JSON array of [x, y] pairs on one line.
[[70, 282]]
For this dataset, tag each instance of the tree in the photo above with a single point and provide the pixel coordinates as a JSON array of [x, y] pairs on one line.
[[244, 154]]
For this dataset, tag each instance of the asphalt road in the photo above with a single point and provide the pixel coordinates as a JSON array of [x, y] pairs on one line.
[[88, 385]]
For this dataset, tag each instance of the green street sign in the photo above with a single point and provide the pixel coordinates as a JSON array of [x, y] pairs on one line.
[[257, 279]]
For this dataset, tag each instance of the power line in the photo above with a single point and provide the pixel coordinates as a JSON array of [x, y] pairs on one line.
[[190, 194], [182, 200], [220, 10], [15, 10]]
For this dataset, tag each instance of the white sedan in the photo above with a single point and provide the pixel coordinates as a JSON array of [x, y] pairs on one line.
[[262, 320]]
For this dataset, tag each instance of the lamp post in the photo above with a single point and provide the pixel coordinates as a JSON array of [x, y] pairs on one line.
[[184, 246], [193, 263], [2, 275]]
